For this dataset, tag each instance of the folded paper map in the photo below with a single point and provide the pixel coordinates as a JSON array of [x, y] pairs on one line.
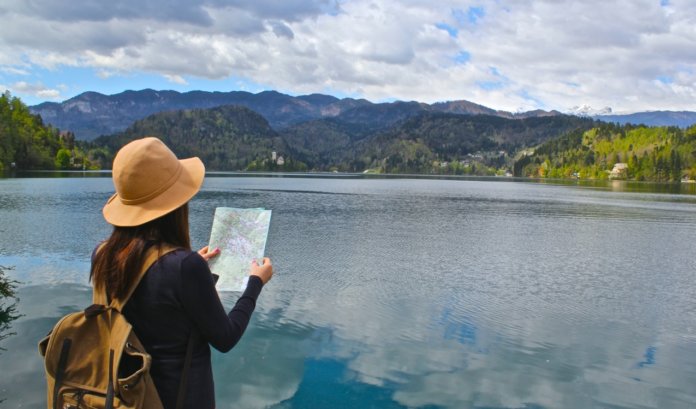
[[241, 236]]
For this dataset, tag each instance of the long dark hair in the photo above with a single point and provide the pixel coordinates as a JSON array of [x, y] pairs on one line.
[[119, 259]]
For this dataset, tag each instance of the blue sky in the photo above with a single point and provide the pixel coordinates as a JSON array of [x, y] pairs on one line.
[[628, 55]]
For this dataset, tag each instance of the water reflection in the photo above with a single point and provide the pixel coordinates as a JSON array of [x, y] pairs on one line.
[[621, 185], [649, 357], [8, 304], [458, 361], [8, 310], [22, 381], [409, 293]]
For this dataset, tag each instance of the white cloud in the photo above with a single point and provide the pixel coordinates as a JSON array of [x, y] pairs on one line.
[[549, 54], [36, 89], [105, 74], [14, 70], [176, 79]]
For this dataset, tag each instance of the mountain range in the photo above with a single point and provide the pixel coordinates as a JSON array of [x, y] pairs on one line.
[[322, 133], [243, 131], [398, 137], [92, 114], [681, 119]]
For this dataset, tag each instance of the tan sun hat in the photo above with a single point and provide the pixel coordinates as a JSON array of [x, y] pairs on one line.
[[150, 182]]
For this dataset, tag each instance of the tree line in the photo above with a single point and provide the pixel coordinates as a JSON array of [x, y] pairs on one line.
[[26, 143], [642, 152]]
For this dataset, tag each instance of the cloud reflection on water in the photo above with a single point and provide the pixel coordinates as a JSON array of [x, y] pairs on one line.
[[418, 293]]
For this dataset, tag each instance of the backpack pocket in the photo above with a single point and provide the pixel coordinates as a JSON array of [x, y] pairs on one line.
[[43, 344], [135, 364], [84, 399]]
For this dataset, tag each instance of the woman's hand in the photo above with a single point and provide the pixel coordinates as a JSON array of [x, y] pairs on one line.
[[207, 255], [263, 271]]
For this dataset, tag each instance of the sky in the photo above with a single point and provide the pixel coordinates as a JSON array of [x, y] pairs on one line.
[[514, 55]]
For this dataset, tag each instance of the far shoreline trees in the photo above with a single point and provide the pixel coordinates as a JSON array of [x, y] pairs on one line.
[[659, 154], [27, 144]]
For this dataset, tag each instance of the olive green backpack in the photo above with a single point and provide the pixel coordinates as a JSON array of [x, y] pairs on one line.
[[94, 360]]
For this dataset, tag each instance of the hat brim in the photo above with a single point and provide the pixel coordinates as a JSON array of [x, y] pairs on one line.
[[187, 185]]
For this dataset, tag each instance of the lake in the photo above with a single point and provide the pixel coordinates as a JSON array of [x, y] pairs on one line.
[[407, 292]]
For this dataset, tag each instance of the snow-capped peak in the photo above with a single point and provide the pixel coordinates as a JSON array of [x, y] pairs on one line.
[[586, 110]]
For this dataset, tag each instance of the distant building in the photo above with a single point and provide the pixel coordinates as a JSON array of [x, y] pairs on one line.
[[274, 156], [280, 161], [620, 171]]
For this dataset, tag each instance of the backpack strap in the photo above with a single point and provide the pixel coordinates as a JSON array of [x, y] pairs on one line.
[[60, 370], [152, 255], [183, 382], [98, 294]]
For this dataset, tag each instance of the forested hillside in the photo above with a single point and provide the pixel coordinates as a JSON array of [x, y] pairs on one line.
[[649, 153], [225, 138], [26, 143], [236, 138], [432, 143]]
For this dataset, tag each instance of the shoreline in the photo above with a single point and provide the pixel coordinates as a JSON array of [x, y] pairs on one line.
[[616, 185], [18, 174]]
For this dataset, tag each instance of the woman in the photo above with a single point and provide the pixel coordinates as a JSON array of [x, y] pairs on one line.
[[176, 300]]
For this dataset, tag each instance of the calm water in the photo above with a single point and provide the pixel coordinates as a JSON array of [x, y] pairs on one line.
[[407, 293]]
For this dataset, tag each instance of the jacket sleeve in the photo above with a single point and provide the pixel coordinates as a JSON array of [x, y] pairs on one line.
[[202, 302]]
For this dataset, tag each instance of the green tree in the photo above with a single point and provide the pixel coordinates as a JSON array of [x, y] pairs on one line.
[[63, 159], [676, 167], [24, 140]]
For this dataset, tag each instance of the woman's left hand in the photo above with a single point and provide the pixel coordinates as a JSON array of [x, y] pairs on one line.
[[207, 254]]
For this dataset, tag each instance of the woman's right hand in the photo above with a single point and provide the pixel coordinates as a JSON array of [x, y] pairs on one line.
[[263, 271]]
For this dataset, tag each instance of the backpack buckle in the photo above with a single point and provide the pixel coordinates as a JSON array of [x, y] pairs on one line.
[[94, 310]]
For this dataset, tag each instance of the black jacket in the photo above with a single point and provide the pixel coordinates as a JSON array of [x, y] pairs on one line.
[[176, 297]]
